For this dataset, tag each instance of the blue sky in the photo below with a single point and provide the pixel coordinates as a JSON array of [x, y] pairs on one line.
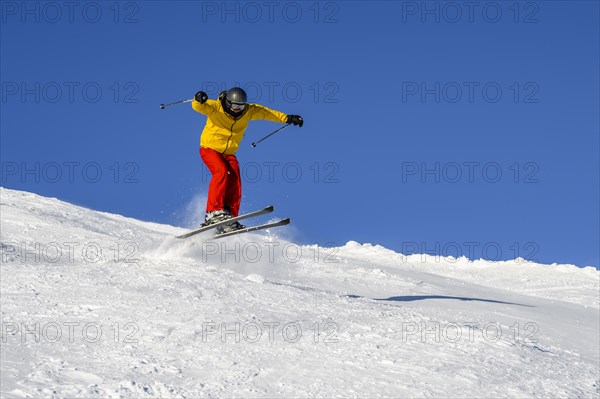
[[452, 128]]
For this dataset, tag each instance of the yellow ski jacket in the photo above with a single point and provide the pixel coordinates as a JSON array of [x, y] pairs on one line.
[[223, 132]]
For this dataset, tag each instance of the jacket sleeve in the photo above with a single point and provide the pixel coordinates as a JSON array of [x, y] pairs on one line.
[[262, 112], [208, 108]]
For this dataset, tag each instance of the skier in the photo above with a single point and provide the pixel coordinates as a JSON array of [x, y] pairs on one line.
[[227, 121]]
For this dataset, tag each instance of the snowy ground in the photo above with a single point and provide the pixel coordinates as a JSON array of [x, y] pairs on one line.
[[99, 305]]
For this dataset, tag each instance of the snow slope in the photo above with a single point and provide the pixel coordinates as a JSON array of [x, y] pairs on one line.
[[100, 305]]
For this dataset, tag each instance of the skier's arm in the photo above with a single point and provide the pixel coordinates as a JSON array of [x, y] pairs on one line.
[[202, 104], [207, 108], [262, 112]]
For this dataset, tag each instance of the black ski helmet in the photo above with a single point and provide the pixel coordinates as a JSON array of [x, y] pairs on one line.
[[237, 96]]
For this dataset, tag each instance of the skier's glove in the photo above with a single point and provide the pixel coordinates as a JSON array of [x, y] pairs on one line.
[[295, 120], [201, 97]]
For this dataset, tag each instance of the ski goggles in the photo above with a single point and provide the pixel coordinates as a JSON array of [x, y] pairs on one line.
[[236, 106]]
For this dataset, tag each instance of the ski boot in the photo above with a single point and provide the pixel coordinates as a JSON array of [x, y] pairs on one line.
[[215, 216], [233, 226]]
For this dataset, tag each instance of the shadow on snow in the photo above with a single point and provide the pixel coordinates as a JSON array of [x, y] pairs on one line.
[[410, 298], [403, 298]]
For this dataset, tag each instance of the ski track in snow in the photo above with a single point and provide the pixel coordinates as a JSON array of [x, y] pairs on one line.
[[108, 306]]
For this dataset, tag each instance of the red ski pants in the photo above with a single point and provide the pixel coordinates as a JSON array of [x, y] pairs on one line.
[[225, 187]]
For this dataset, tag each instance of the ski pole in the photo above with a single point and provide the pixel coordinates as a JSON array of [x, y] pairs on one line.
[[270, 134], [163, 106]]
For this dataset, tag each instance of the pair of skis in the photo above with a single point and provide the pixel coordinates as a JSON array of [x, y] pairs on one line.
[[263, 211]]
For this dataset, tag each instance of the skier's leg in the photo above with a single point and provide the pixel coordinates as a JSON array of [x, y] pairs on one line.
[[218, 183], [233, 195]]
